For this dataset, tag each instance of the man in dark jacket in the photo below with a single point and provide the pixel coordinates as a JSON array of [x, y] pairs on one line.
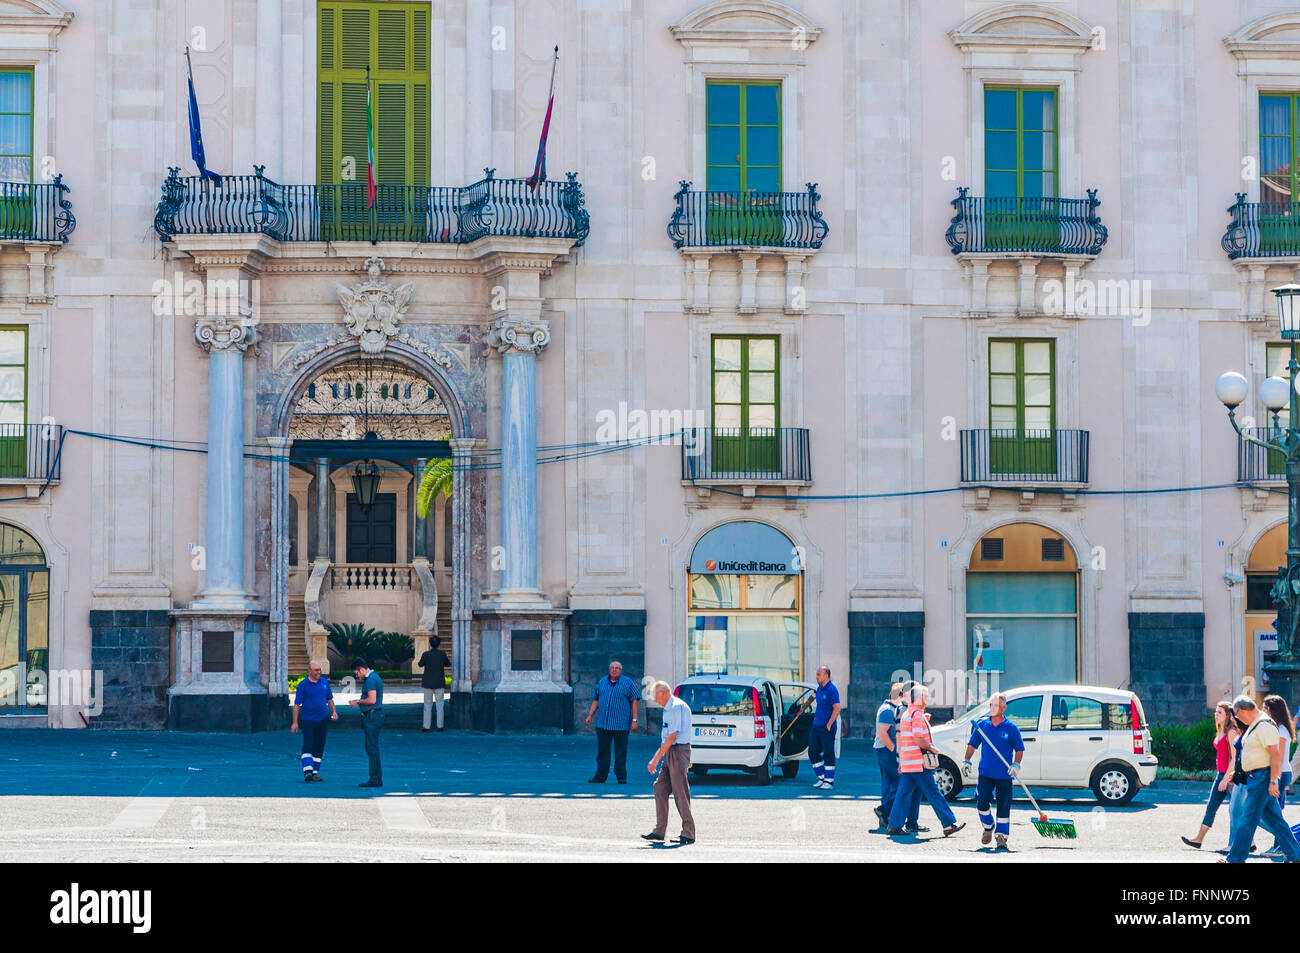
[[434, 680]]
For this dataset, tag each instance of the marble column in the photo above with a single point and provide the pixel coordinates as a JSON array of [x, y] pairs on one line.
[[278, 597], [462, 668], [322, 508], [421, 524], [519, 341], [225, 340]]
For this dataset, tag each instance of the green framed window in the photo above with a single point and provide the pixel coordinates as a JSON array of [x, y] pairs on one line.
[[13, 401], [1020, 166], [15, 152], [746, 386], [1277, 166], [393, 40], [743, 155], [1022, 406]]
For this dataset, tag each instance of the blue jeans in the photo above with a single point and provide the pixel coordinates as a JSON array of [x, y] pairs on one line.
[[987, 790], [821, 751], [922, 783], [371, 722], [888, 762], [1281, 800], [1216, 799], [1260, 809]]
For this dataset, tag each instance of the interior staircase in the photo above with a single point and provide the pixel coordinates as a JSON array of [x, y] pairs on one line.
[[297, 641]]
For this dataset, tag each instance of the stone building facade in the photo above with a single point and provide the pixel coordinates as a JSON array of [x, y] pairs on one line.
[[908, 312]]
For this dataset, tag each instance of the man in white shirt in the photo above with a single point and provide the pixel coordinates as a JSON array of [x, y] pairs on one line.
[[675, 754]]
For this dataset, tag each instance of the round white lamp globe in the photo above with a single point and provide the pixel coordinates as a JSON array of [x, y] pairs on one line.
[[1231, 388], [1274, 393]]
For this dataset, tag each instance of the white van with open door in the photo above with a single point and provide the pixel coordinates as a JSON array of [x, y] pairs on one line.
[[752, 724]]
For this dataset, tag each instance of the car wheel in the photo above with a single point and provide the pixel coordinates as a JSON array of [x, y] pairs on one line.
[[765, 769], [699, 770], [789, 769], [1114, 784], [948, 777]]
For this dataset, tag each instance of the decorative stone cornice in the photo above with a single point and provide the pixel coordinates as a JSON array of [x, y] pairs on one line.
[[746, 23], [525, 335], [1276, 36], [1028, 27], [221, 333]]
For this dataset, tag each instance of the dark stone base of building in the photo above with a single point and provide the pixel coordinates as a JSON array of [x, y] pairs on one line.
[[533, 713], [233, 713], [880, 643], [596, 638], [1166, 657], [132, 647]]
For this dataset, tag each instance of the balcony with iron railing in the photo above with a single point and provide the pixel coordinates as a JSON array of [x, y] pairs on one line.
[[30, 455], [712, 219], [255, 204], [36, 212], [1024, 457], [746, 457], [1042, 227], [1262, 230], [1256, 464]]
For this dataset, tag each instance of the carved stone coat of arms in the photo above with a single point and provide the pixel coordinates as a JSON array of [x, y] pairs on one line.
[[373, 309]]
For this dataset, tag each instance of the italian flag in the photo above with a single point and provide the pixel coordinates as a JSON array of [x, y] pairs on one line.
[[370, 146]]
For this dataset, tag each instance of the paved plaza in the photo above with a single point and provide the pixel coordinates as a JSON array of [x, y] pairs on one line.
[[103, 796]]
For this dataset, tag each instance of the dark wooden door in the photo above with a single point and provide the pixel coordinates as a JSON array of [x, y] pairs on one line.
[[372, 532]]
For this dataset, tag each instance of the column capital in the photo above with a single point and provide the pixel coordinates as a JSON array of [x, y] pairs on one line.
[[464, 446], [221, 333], [520, 334]]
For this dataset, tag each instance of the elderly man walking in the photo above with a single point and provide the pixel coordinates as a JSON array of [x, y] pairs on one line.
[[314, 700], [614, 705], [914, 742], [1261, 760], [671, 762]]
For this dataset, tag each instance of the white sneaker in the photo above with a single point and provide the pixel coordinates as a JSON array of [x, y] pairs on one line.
[[819, 783]]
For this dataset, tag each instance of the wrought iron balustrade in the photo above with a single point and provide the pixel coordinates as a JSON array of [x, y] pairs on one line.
[[754, 454], [1050, 226], [1024, 456], [30, 452], [1254, 463], [239, 204], [759, 219], [1262, 229], [36, 212]]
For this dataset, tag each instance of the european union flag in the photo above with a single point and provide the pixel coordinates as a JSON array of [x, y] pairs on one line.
[[196, 131]]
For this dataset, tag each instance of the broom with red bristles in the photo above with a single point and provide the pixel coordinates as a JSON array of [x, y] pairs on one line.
[[1046, 826]]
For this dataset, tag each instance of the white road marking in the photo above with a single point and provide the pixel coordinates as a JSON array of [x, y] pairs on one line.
[[402, 814], [147, 808]]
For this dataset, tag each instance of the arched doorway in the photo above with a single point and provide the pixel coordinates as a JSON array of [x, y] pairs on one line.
[[745, 603], [1267, 556], [24, 622], [1022, 607], [362, 429]]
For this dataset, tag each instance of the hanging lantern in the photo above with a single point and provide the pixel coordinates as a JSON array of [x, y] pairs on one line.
[[365, 483]]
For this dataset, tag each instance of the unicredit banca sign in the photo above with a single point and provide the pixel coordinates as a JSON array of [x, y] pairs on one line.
[[745, 547]]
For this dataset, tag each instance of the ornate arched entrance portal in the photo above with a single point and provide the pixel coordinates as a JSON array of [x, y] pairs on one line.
[[361, 428]]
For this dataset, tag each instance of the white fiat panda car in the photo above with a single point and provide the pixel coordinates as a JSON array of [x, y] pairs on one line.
[[754, 724], [1076, 736]]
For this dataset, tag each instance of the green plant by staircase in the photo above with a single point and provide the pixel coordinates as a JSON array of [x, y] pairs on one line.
[[434, 482], [353, 640], [395, 648]]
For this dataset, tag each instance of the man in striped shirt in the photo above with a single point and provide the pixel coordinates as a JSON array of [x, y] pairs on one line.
[[913, 741], [614, 705]]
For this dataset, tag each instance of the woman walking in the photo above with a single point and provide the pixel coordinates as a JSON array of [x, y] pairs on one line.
[[1225, 737], [1275, 707]]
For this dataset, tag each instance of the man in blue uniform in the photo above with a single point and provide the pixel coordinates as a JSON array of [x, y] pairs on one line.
[[1003, 736], [315, 701], [821, 740]]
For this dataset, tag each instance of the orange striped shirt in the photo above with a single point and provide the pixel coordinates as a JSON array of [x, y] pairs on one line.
[[912, 733]]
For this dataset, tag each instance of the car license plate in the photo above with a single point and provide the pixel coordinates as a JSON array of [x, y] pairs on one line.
[[712, 732]]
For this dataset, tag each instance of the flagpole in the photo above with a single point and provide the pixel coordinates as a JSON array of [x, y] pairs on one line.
[[539, 168]]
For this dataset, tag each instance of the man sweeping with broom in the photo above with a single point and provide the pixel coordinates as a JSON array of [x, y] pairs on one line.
[[995, 774]]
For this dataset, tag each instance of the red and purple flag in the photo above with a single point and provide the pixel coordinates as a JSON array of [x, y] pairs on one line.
[[539, 168]]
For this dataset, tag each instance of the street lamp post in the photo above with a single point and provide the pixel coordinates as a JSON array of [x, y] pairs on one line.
[[1275, 394]]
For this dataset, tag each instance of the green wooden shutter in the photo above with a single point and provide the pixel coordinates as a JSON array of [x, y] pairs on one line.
[[393, 39]]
